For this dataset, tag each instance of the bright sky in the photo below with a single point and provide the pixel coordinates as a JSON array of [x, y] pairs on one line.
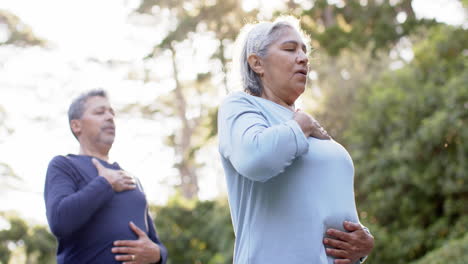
[[36, 87]]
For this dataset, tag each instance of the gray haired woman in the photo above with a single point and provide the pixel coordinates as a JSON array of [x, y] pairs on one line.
[[290, 185]]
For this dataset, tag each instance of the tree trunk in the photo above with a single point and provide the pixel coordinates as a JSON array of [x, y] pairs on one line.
[[223, 64], [328, 16], [188, 178]]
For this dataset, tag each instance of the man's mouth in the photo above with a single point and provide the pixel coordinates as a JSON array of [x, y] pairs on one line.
[[110, 129]]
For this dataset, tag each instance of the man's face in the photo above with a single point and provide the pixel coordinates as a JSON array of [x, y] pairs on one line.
[[96, 126]]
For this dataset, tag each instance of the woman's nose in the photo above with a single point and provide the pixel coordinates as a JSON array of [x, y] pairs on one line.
[[302, 58]]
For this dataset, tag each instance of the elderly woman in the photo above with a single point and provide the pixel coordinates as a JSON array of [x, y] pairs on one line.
[[290, 185]]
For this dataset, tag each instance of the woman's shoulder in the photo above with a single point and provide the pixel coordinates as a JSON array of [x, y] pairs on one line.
[[239, 98], [238, 101]]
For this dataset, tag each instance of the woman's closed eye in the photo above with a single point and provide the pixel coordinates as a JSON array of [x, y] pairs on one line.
[[290, 48]]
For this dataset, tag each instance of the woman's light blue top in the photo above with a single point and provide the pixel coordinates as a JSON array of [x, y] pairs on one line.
[[285, 190]]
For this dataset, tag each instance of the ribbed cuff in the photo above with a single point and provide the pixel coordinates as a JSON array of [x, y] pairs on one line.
[[302, 145]]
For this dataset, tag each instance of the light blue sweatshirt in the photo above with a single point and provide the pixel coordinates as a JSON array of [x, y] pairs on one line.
[[285, 190]]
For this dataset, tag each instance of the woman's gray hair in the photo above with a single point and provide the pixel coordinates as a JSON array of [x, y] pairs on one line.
[[256, 39]]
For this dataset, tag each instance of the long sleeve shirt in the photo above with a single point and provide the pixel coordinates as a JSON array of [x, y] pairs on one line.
[[86, 215], [284, 190]]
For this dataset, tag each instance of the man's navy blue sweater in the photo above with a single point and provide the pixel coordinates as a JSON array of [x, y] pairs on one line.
[[87, 215]]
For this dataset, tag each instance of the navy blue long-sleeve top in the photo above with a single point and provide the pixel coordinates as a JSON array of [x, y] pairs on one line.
[[87, 215]]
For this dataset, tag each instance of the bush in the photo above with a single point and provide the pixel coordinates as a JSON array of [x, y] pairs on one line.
[[198, 232], [454, 252], [409, 142]]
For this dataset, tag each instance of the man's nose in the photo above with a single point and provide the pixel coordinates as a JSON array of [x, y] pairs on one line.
[[109, 116]]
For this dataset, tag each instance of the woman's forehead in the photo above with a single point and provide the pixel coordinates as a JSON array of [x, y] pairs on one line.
[[289, 35]]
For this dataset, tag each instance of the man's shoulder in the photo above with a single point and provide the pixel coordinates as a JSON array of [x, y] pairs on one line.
[[60, 164], [75, 166], [68, 160], [58, 160]]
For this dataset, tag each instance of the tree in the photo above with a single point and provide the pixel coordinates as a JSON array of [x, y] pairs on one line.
[[360, 24], [192, 19], [352, 42], [37, 242], [335, 85], [454, 252], [408, 141], [196, 231], [17, 32]]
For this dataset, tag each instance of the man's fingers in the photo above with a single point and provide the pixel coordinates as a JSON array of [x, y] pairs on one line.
[[123, 250], [128, 187], [98, 165], [123, 186], [126, 243], [137, 230], [343, 236], [129, 181], [350, 226], [128, 258]]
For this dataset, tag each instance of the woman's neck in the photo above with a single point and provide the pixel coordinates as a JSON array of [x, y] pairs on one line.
[[269, 95]]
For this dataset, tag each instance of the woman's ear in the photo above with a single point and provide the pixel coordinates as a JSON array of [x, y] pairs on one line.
[[256, 64]]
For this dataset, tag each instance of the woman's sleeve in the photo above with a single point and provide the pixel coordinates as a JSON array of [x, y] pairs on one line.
[[67, 207], [255, 149]]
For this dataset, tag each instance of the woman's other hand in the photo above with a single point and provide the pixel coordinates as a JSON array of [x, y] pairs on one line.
[[310, 126], [349, 247]]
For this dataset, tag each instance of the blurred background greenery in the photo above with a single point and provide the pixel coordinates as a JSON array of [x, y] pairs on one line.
[[389, 85]]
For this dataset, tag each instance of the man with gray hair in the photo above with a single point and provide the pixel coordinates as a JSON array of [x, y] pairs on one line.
[[97, 211]]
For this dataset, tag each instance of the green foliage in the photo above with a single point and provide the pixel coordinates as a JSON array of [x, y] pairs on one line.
[[454, 252], [198, 232], [18, 229], [353, 25], [38, 243], [191, 19], [409, 143], [192, 16]]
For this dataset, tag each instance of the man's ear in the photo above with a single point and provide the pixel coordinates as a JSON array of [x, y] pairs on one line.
[[75, 126], [256, 64]]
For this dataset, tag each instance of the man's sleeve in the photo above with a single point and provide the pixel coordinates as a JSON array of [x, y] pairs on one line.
[[154, 237], [68, 207]]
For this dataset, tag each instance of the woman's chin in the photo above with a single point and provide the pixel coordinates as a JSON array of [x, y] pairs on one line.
[[299, 90]]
